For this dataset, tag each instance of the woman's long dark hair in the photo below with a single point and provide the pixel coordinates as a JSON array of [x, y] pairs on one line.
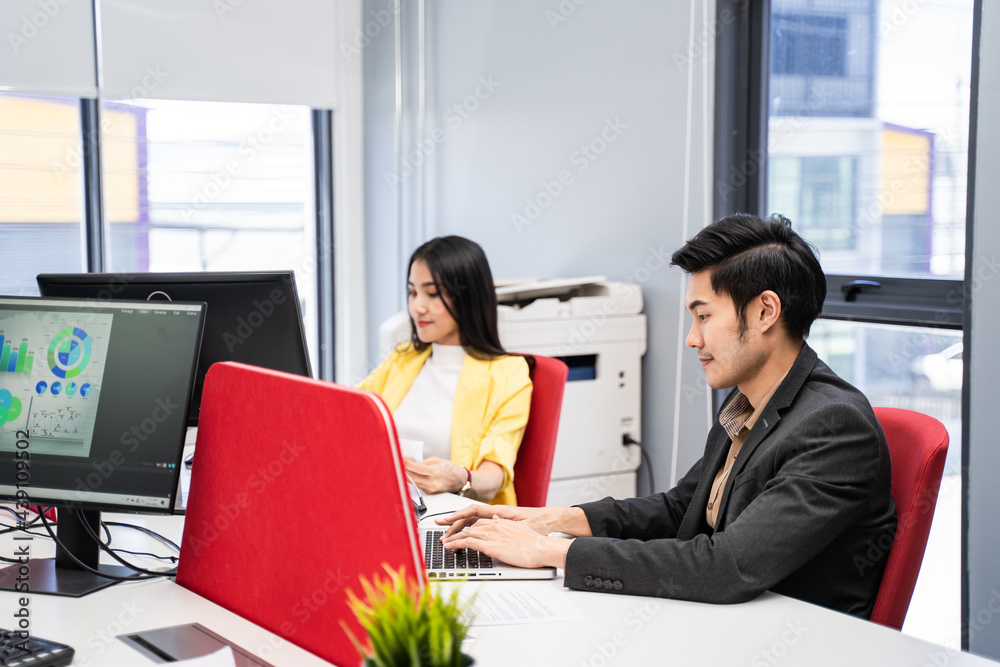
[[461, 273]]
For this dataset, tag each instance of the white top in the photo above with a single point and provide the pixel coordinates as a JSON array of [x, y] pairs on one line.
[[425, 412]]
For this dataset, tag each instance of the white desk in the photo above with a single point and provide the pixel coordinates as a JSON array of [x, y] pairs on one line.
[[619, 630], [90, 624]]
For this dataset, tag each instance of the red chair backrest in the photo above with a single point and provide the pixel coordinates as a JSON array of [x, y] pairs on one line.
[[917, 446], [533, 467], [327, 446], [50, 513]]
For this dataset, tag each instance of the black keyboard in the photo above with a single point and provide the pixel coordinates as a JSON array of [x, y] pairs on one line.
[[16, 651], [436, 557]]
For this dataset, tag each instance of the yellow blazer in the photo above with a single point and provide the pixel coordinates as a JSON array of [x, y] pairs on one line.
[[491, 407]]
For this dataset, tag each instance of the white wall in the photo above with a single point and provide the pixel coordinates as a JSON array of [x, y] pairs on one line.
[[535, 82]]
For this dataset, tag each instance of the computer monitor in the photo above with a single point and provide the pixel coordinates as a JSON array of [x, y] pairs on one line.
[[253, 318], [93, 412]]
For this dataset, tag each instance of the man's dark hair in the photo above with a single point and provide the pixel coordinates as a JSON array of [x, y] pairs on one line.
[[748, 255], [460, 271]]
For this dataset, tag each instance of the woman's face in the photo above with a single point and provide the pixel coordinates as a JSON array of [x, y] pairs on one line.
[[427, 309]]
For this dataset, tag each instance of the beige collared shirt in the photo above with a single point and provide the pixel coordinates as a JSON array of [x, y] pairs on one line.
[[737, 418]]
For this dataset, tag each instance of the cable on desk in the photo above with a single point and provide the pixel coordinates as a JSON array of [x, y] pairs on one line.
[[152, 533], [12, 511], [22, 527], [6, 528], [147, 531], [172, 559], [18, 516], [111, 552], [12, 529], [86, 567]]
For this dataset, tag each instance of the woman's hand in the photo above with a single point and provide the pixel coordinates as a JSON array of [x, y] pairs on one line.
[[436, 475]]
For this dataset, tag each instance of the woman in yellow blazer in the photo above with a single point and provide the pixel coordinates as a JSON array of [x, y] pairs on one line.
[[470, 400]]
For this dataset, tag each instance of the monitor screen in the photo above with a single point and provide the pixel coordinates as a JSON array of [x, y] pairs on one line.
[[93, 401], [253, 318]]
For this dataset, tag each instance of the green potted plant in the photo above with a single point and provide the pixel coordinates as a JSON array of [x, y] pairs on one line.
[[409, 625]]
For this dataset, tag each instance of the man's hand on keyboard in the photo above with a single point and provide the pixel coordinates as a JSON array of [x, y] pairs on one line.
[[542, 520], [512, 541]]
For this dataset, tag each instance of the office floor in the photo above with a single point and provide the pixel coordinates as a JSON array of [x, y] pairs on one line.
[[935, 610]]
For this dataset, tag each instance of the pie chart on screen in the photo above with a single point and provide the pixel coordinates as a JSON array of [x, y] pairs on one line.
[[69, 352]]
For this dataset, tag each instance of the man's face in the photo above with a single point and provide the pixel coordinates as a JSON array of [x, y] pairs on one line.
[[726, 359]]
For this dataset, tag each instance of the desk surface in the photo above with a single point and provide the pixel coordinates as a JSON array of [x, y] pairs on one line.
[[619, 629]]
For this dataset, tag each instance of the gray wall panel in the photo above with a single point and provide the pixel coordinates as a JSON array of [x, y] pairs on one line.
[[383, 278], [48, 48], [984, 288], [265, 52], [532, 90]]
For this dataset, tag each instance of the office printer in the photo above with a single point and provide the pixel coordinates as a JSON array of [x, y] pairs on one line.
[[598, 329]]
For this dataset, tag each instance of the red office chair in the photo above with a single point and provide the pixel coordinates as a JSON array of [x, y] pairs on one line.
[[917, 446], [533, 467]]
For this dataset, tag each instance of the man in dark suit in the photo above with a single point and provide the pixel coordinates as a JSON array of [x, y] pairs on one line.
[[793, 488]]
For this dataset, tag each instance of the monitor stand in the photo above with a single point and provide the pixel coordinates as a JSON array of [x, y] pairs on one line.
[[62, 575]]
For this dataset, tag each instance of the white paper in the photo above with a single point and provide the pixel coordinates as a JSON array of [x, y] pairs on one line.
[[514, 605], [222, 658], [412, 449]]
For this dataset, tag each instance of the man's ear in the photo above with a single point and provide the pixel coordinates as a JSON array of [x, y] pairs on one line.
[[767, 310]]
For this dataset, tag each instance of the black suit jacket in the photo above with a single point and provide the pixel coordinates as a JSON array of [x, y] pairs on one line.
[[802, 513]]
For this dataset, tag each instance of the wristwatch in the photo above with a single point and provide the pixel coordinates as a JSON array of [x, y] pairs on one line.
[[468, 483]]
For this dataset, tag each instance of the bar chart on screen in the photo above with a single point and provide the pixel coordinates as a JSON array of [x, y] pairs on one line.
[[15, 359]]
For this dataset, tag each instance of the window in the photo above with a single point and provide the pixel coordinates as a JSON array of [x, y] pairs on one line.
[[185, 186], [207, 186], [819, 194], [823, 58], [41, 208], [810, 45], [858, 111], [879, 168]]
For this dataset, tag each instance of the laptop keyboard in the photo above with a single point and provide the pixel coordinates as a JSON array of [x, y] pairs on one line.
[[436, 557], [16, 651]]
